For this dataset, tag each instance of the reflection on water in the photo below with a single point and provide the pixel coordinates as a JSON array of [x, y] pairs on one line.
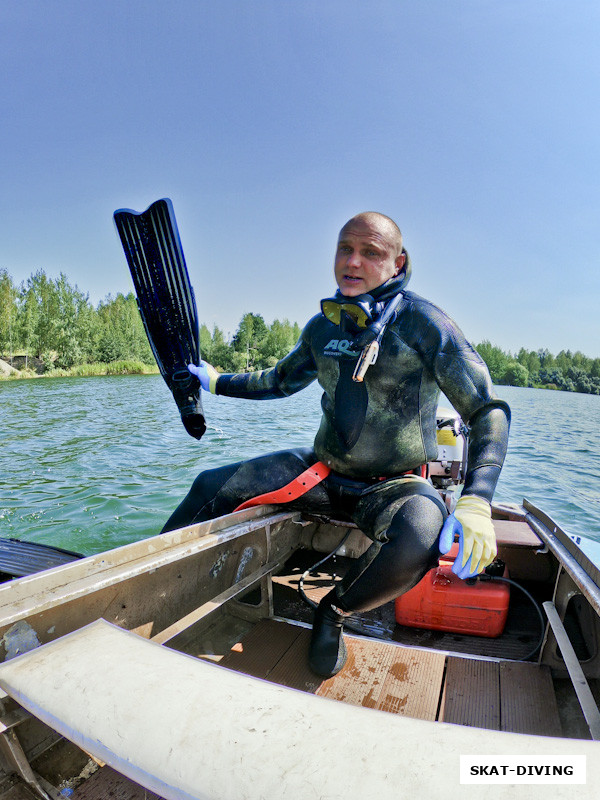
[[91, 463]]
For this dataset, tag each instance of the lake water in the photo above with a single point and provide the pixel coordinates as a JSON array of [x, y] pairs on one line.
[[92, 463]]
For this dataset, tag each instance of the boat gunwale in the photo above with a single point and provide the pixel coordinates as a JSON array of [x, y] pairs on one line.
[[40, 592], [572, 559]]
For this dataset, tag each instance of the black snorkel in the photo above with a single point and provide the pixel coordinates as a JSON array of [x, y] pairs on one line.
[[370, 339]]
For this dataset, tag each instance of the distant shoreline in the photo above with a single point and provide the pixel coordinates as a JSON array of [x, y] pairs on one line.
[[132, 367], [99, 369], [136, 368]]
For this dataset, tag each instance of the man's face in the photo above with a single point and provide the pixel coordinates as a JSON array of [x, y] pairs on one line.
[[366, 256]]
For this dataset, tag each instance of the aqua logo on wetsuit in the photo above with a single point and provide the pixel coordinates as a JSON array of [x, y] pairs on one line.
[[340, 347]]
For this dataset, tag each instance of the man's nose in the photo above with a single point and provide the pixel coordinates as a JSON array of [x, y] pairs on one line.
[[354, 259]]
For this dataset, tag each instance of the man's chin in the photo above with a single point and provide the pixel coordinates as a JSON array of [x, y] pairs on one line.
[[351, 290]]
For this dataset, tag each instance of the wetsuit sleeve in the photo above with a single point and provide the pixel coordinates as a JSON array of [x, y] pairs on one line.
[[291, 374], [463, 376], [488, 440]]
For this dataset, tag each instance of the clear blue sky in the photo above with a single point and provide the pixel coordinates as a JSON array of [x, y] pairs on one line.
[[473, 123]]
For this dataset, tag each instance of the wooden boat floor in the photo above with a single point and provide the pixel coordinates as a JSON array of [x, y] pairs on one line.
[[429, 685], [18, 791]]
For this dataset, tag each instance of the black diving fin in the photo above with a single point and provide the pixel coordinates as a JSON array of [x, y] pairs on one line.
[[166, 302]]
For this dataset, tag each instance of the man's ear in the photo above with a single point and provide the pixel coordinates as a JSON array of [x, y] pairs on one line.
[[400, 262]]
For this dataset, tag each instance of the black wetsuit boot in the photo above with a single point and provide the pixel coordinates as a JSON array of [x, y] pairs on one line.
[[327, 653]]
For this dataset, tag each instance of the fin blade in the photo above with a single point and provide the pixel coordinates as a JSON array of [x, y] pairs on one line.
[[166, 301]]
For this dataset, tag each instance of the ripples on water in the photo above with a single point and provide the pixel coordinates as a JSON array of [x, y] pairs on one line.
[[92, 463], [553, 456]]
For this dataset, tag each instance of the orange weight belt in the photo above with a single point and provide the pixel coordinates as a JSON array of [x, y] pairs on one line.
[[296, 488]]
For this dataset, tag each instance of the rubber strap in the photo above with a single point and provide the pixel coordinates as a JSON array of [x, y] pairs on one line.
[[296, 488]]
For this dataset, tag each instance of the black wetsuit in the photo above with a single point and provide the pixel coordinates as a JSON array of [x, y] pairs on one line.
[[381, 428]]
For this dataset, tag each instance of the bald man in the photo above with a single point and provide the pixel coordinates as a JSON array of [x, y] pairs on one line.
[[375, 433]]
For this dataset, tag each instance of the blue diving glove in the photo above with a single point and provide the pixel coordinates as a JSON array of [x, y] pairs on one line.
[[472, 521], [206, 374]]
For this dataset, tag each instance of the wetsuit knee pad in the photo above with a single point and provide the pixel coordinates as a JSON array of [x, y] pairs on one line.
[[414, 530]]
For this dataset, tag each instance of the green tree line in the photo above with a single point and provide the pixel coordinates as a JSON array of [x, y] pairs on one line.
[[570, 372], [54, 322]]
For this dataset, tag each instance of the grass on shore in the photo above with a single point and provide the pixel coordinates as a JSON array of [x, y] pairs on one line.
[[123, 367]]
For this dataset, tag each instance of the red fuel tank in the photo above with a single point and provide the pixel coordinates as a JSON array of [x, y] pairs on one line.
[[441, 601]]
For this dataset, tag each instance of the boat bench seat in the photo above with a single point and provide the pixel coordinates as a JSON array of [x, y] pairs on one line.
[[515, 533]]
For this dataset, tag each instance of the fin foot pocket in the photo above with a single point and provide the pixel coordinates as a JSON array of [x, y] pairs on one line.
[[186, 392]]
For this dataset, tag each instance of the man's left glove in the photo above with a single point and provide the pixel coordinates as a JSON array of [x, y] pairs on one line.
[[206, 374], [472, 520]]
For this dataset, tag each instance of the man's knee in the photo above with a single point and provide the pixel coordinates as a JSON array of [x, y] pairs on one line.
[[420, 513], [414, 530]]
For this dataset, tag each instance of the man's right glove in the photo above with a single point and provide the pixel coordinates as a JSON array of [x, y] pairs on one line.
[[206, 374]]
